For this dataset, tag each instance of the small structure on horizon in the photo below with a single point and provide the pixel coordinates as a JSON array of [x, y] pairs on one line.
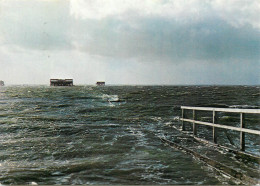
[[100, 83], [2, 83], [61, 82]]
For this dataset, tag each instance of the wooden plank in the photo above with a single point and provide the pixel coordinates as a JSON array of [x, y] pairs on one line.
[[250, 111], [223, 126]]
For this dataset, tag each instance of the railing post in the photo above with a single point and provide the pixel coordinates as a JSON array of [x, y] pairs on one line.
[[194, 124], [214, 118], [242, 134], [183, 116]]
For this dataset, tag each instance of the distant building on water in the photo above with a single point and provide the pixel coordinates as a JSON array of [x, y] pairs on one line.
[[2, 83], [100, 83], [61, 82]]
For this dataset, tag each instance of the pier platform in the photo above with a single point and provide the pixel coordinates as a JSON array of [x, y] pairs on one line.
[[100, 83], [61, 82], [241, 167]]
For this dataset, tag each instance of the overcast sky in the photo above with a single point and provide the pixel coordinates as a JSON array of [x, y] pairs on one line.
[[130, 41]]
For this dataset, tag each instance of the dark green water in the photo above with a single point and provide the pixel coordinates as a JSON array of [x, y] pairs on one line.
[[107, 135]]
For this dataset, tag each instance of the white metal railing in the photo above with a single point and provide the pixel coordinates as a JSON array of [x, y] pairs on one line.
[[214, 124]]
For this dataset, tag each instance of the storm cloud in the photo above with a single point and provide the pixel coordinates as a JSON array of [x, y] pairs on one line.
[[155, 38], [107, 39]]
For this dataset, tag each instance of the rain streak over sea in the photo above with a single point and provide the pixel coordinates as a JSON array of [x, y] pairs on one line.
[[111, 134]]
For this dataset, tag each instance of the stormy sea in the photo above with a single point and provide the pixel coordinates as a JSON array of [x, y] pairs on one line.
[[112, 134]]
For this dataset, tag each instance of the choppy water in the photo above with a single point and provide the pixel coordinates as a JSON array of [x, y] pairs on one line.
[[106, 135]]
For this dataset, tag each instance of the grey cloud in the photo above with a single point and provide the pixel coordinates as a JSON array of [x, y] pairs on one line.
[[36, 24], [156, 38], [48, 25]]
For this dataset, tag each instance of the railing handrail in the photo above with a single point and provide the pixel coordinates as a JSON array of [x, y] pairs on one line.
[[234, 110], [214, 124], [251, 131]]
